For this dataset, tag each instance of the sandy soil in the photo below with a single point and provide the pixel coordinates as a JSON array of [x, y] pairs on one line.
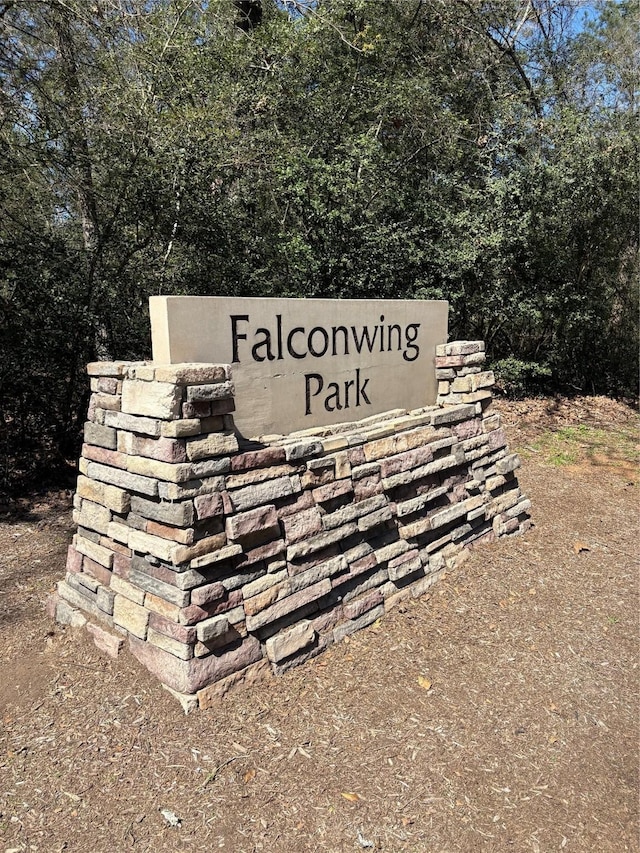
[[500, 713]]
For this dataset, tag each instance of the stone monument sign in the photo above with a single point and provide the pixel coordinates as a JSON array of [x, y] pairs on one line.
[[302, 363]]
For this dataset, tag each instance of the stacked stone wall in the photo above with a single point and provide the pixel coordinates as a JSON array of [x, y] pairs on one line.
[[218, 559]]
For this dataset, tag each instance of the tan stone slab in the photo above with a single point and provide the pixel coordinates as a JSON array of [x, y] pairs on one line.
[[287, 643], [192, 374], [95, 552], [251, 675], [304, 363], [171, 472], [181, 429], [107, 368], [110, 496], [130, 616], [126, 589], [94, 516], [216, 556], [122, 479], [151, 399], [212, 444], [175, 647]]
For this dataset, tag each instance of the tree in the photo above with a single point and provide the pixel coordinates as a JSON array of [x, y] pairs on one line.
[[479, 152]]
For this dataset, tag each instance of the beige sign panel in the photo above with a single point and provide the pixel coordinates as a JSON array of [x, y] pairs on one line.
[[301, 363]]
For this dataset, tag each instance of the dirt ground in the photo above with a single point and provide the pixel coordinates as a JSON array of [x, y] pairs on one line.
[[500, 713]]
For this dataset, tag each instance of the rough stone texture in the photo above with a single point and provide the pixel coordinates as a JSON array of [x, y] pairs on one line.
[[108, 643], [221, 561], [289, 642], [151, 399]]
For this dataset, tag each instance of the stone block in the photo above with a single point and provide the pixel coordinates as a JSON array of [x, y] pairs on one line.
[[355, 609], [302, 449], [476, 396], [95, 552], [112, 497], [192, 675], [127, 590], [74, 560], [250, 676], [192, 373], [201, 548], [216, 556], [287, 643], [263, 583], [160, 400], [310, 595], [213, 444], [216, 391], [106, 402], [165, 591], [258, 459], [261, 552], [122, 479], [353, 511], [169, 644], [182, 535], [509, 463], [209, 506], [66, 614], [333, 490], [404, 565], [158, 605], [162, 449], [153, 468], [104, 599], [260, 520], [133, 423], [210, 630], [115, 369], [374, 519], [181, 429], [183, 633], [351, 627], [459, 348], [130, 616], [262, 493], [166, 512], [107, 642], [207, 593], [320, 541], [452, 414], [95, 516], [102, 436], [144, 543]]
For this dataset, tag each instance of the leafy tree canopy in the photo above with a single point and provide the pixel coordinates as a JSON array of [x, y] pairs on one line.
[[482, 152]]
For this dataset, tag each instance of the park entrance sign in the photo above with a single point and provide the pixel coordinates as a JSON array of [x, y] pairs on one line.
[[306, 363]]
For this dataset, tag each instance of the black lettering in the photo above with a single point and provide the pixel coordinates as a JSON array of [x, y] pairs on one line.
[[236, 335], [266, 343], [334, 395], [279, 335], [409, 341], [345, 333], [365, 335], [308, 377], [348, 384], [394, 328], [360, 389], [290, 349], [323, 332]]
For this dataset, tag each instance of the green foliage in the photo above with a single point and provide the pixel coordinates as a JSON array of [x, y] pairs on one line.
[[518, 378], [482, 153]]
